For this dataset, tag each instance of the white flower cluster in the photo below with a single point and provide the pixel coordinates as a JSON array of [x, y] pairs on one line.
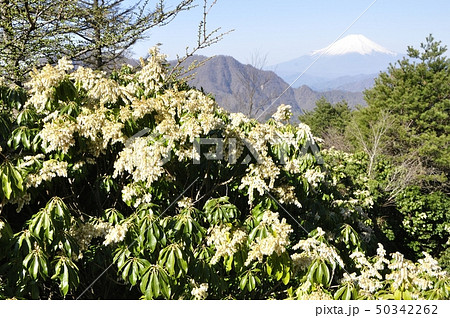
[[238, 119], [86, 77], [142, 159], [112, 132], [58, 134], [276, 240], [153, 73], [304, 132], [364, 197], [293, 165], [185, 203], [116, 234], [42, 83], [84, 233], [401, 269], [313, 249], [200, 292], [128, 192], [430, 266], [370, 278], [191, 128], [64, 64], [403, 273], [99, 87], [92, 124], [256, 176], [50, 169], [314, 177], [283, 113], [286, 194], [262, 175], [21, 201], [134, 191], [305, 292], [31, 160], [301, 261], [90, 121], [140, 108], [78, 165], [225, 241], [316, 295], [106, 91]]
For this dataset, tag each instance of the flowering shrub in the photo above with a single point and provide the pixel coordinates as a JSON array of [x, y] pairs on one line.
[[138, 186]]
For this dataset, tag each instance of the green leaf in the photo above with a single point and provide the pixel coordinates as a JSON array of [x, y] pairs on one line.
[[319, 273], [64, 286], [326, 274], [165, 287], [6, 186], [18, 180], [170, 264], [229, 263], [407, 295], [183, 264], [268, 269], [251, 283], [287, 277], [57, 269], [25, 138], [125, 270], [154, 283], [120, 257], [134, 273], [243, 282], [144, 284], [312, 271], [34, 268], [347, 294], [152, 242], [43, 266], [340, 292], [16, 138]]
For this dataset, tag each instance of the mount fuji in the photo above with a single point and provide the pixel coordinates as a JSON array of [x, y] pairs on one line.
[[353, 43], [350, 63]]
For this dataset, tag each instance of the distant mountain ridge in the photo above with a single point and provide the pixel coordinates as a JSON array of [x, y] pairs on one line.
[[236, 86], [356, 83]]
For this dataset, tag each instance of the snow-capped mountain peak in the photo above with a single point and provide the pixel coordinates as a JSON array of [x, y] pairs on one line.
[[353, 43]]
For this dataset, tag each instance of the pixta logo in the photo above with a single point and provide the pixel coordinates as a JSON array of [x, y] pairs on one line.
[[214, 149]]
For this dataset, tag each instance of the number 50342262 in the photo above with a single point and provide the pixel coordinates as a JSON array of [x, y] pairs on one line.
[[407, 309]]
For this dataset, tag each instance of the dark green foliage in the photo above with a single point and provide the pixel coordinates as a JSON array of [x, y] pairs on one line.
[[326, 115], [406, 125], [415, 92], [426, 219]]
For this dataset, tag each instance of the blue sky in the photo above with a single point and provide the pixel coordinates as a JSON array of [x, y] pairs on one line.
[[283, 30]]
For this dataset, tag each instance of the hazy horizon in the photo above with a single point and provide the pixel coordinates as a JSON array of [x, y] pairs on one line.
[[285, 30]]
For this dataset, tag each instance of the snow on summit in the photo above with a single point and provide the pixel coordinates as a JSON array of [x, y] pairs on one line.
[[353, 43]]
